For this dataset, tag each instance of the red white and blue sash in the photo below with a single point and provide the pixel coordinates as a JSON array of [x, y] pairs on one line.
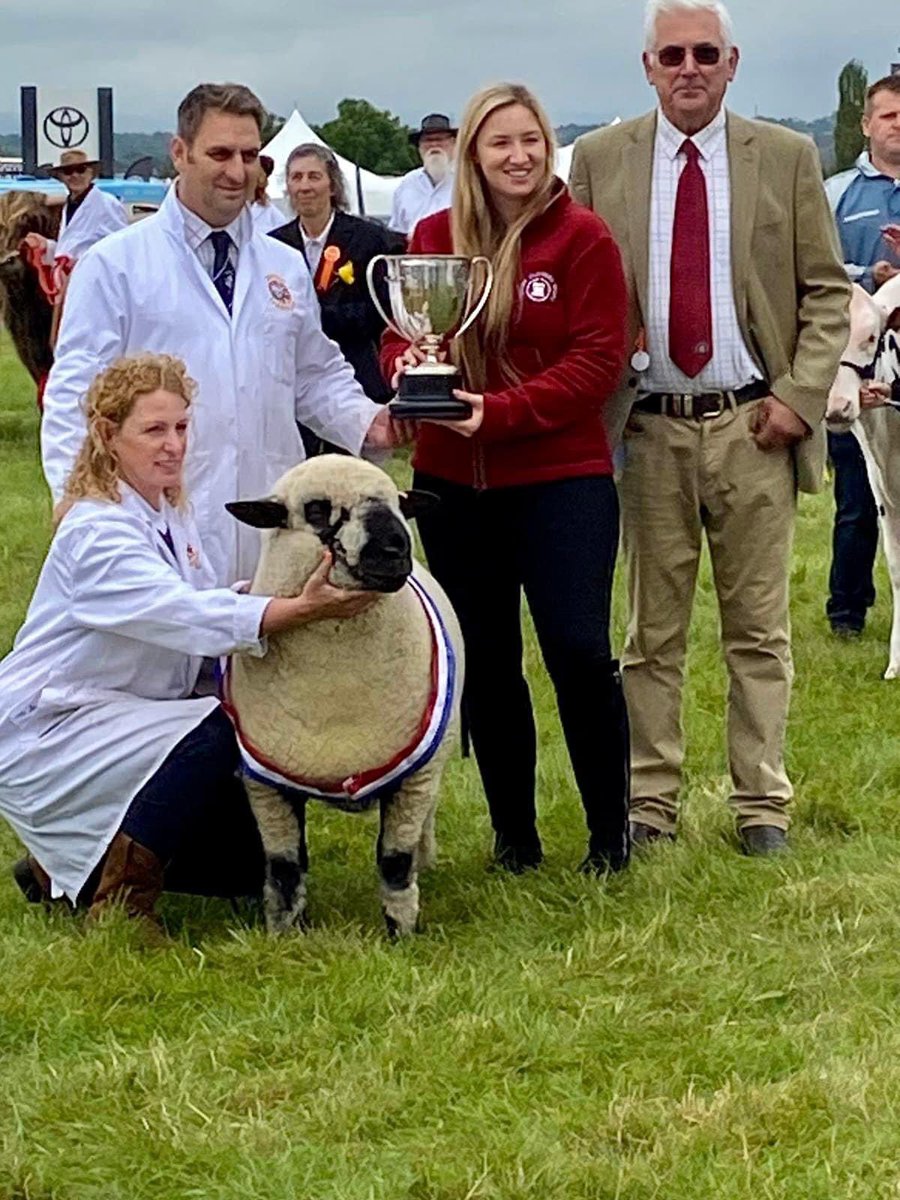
[[364, 788]]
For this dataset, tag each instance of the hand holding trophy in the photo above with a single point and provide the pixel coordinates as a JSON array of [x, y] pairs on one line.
[[432, 300]]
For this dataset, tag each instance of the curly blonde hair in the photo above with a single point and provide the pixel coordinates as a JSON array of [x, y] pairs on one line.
[[110, 401]]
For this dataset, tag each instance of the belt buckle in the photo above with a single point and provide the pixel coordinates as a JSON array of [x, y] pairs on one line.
[[716, 412]]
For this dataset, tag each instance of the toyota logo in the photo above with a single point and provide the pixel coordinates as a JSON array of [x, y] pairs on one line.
[[66, 127]]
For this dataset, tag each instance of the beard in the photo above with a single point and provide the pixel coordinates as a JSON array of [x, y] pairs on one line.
[[437, 165]]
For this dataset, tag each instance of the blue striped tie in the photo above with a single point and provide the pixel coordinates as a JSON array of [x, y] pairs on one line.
[[223, 269]]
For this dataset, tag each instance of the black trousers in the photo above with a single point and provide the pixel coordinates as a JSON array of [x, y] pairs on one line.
[[854, 542], [193, 813], [557, 542]]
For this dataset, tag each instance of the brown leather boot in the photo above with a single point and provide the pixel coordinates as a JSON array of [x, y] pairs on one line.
[[132, 877]]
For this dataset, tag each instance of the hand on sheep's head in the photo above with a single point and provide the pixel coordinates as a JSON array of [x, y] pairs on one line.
[[319, 601]]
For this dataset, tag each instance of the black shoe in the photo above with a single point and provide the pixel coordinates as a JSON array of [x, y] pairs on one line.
[[645, 835], [761, 840], [517, 857], [602, 863], [847, 633]]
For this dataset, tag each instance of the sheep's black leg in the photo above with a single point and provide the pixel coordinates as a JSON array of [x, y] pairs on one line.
[[404, 818], [282, 827]]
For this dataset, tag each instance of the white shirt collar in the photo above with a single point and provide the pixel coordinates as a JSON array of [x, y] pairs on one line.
[[320, 238], [135, 503], [196, 230], [707, 140]]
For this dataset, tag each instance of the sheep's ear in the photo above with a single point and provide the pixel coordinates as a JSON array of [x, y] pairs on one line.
[[415, 502], [262, 514]]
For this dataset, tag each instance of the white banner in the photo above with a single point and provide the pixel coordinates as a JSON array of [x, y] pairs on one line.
[[67, 119]]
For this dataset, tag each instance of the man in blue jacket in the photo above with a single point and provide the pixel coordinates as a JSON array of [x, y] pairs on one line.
[[865, 200]]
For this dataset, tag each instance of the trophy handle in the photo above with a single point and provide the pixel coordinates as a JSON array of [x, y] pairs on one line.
[[486, 291], [370, 284]]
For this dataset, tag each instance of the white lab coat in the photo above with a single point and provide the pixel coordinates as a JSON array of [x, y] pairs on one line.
[[258, 372], [95, 692], [267, 217], [98, 215], [416, 197]]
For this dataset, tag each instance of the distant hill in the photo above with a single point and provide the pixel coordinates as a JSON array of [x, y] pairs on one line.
[[566, 134], [821, 131], [127, 148]]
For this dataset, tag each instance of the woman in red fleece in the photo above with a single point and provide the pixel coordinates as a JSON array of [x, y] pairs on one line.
[[525, 483]]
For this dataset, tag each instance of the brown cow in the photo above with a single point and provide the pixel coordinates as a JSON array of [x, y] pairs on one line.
[[24, 308]]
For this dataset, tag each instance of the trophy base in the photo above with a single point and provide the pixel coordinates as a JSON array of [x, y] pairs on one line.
[[429, 395]]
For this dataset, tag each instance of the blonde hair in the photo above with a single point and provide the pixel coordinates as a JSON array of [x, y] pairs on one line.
[[110, 401], [478, 228]]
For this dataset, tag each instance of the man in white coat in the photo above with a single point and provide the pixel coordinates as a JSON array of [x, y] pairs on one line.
[[89, 213], [196, 281]]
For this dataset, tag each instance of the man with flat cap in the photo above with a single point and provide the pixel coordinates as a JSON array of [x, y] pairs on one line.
[[429, 188]]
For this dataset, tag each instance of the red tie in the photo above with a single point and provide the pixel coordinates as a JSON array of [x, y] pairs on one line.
[[690, 308]]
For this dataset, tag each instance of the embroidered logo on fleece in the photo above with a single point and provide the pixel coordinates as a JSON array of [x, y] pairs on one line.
[[540, 287], [279, 291]]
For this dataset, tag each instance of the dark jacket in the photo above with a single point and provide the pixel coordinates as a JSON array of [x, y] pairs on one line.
[[567, 343], [348, 315]]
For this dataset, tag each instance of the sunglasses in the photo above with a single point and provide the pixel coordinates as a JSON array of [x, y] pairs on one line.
[[705, 55], [73, 170]]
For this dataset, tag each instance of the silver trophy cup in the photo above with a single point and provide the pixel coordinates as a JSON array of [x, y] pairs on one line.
[[432, 299]]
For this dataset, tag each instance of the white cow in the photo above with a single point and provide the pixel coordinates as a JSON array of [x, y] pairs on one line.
[[873, 353]]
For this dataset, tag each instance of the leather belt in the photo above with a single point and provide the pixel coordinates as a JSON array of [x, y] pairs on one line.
[[704, 405]]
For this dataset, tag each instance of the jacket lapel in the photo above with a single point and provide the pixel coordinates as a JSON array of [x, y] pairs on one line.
[[637, 161], [743, 165], [290, 235]]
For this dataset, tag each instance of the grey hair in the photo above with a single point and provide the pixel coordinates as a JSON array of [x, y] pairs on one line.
[[327, 158], [655, 8]]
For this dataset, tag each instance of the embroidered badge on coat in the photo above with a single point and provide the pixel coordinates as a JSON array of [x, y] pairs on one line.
[[279, 291], [193, 557], [540, 287]]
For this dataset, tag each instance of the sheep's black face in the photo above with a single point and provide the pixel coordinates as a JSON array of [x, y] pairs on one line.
[[385, 557], [370, 543]]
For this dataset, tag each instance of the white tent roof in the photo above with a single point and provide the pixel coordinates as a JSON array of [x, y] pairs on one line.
[[378, 192]]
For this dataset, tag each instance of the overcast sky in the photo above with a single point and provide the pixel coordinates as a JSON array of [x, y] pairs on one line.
[[412, 56]]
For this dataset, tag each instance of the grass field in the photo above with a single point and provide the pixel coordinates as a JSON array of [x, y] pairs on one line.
[[706, 1026]]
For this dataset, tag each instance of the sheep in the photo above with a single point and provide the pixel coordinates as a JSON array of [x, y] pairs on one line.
[[334, 700]]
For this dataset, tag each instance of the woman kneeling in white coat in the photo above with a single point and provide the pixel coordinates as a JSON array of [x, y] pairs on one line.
[[118, 779]]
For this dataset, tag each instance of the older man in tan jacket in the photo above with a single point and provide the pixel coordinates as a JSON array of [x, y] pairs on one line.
[[739, 311]]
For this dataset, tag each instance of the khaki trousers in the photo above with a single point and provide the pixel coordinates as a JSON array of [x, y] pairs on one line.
[[682, 477]]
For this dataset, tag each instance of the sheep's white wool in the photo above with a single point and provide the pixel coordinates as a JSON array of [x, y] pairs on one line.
[[363, 789]]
